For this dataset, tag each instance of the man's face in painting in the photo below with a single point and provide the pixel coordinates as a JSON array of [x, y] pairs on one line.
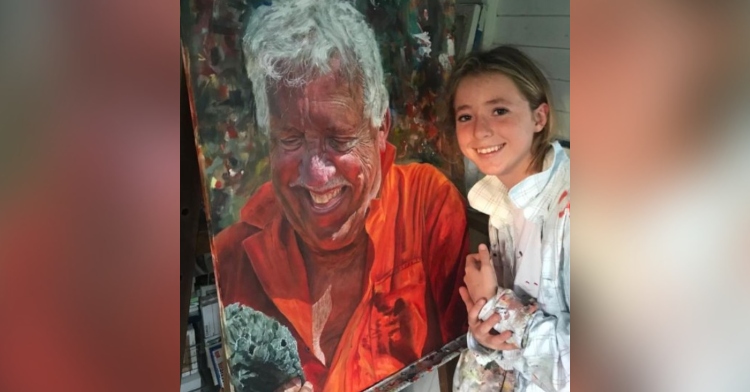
[[325, 158]]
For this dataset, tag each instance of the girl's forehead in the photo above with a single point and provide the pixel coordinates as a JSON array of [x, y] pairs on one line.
[[494, 78], [481, 86]]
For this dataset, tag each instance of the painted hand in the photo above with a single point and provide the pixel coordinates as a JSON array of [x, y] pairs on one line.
[[295, 385], [480, 278]]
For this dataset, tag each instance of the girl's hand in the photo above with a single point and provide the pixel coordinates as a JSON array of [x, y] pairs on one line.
[[480, 278], [513, 303], [483, 331]]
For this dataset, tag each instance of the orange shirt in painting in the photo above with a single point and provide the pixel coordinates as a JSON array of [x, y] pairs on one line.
[[411, 305]]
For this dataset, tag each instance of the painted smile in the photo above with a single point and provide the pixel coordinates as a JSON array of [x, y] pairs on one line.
[[323, 202], [489, 150]]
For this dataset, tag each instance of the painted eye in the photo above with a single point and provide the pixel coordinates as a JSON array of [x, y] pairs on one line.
[[341, 145], [291, 143]]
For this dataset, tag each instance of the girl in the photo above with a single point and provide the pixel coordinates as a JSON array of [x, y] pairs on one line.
[[517, 292]]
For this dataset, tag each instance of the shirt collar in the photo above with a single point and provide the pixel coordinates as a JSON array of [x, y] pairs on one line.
[[527, 190], [490, 196]]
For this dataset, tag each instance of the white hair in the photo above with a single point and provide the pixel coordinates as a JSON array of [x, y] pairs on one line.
[[293, 42]]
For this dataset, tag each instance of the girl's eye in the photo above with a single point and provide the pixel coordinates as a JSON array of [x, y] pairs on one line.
[[500, 111], [463, 118]]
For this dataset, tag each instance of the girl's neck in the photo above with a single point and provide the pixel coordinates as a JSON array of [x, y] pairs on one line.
[[524, 170]]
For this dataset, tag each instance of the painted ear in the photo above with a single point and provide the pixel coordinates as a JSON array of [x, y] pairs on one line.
[[541, 117], [385, 127]]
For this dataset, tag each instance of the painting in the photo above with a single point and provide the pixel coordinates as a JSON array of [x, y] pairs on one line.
[[336, 211]]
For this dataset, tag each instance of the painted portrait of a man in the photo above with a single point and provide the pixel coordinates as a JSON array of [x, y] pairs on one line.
[[358, 257]]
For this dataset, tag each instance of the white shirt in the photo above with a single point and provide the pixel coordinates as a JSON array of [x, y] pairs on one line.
[[534, 214], [527, 268]]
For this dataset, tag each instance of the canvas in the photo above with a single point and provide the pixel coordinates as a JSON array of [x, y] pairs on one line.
[[338, 227]]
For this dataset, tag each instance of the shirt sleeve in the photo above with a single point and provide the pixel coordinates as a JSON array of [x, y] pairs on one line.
[[544, 357], [546, 345]]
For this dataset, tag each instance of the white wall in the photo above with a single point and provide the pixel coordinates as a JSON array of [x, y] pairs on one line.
[[541, 28]]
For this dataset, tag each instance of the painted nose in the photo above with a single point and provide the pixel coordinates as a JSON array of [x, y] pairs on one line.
[[317, 171]]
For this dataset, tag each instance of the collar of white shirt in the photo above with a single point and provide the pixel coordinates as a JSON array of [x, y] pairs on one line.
[[491, 197]]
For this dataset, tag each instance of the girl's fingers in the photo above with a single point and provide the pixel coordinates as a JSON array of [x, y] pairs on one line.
[[464, 292], [503, 337], [495, 342], [473, 261], [474, 310], [486, 326], [499, 342], [484, 256]]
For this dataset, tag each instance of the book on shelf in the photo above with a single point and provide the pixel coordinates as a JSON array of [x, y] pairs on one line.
[[210, 314], [215, 356]]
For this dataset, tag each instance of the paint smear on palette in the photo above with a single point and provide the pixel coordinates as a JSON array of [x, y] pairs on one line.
[[415, 371]]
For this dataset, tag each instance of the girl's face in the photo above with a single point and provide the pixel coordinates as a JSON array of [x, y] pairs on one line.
[[495, 126]]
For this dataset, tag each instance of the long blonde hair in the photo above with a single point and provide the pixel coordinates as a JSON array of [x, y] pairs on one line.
[[527, 77]]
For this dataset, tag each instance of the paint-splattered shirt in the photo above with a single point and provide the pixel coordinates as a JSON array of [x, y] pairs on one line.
[[543, 361]]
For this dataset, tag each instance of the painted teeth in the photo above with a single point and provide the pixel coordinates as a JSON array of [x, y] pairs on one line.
[[488, 150], [323, 198]]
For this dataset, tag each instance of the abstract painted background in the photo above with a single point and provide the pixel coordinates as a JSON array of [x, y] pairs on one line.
[[417, 47]]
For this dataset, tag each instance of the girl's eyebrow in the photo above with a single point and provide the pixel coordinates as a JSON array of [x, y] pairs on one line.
[[497, 100], [493, 101]]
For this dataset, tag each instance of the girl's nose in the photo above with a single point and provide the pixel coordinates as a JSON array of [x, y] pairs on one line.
[[482, 128]]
